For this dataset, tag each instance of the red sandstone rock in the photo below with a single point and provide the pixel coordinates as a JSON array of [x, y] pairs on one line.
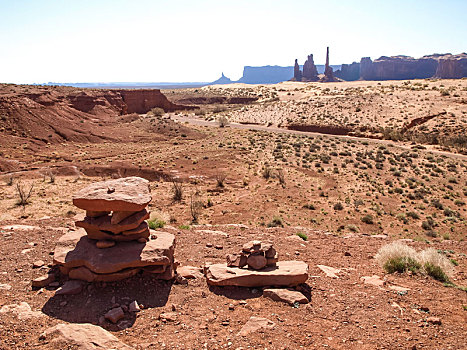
[[101, 235], [115, 315], [256, 262], [119, 216], [288, 296], [189, 272], [287, 273], [75, 249], [84, 274], [254, 324], [96, 214], [125, 194], [103, 223], [70, 288], [83, 336], [105, 244], [43, 280]]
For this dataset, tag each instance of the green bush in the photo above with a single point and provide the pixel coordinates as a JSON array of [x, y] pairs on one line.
[[156, 223], [401, 264], [302, 236], [367, 219], [436, 272]]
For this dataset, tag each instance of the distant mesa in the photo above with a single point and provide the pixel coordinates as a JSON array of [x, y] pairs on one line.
[[441, 66]]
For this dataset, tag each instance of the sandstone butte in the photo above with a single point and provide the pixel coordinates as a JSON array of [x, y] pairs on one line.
[[285, 273], [75, 249], [126, 194]]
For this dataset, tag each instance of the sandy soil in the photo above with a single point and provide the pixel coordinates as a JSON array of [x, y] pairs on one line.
[[319, 185]]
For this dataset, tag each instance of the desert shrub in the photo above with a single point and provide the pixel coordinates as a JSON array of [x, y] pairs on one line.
[[436, 265], [397, 257], [436, 272], [352, 228], [302, 236], [459, 202], [309, 206], [267, 172], [156, 223], [276, 222], [281, 177], [220, 178], [413, 215], [177, 190], [184, 227], [338, 206], [157, 111], [24, 194], [196, 206], [367, 219], [222, 121]]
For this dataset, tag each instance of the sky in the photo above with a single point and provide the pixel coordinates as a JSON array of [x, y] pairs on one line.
[[188, 41]]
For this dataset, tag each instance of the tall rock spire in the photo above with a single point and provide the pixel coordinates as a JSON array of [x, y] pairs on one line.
[[297, 73], [328, 74]]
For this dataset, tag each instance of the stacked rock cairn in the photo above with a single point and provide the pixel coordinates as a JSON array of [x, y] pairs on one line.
[[255, 254], [114, 241]]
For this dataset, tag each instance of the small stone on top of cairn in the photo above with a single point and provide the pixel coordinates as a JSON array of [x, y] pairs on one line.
[[256, 254]]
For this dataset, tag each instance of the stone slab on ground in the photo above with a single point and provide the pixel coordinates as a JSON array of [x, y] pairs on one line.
[[285, 273], [329, 271], [285, 295], [254, 324], [84, 336], [75, 249], [22, 310], [125, 194]]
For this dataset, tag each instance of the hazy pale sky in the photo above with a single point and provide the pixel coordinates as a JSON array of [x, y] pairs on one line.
[[181, 40]]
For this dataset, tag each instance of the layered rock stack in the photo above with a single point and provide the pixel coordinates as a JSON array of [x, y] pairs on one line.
[[114, 241], [257, 265], [255, 254]]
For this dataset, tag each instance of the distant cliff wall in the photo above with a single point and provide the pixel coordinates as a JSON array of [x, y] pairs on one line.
[[445, 66]]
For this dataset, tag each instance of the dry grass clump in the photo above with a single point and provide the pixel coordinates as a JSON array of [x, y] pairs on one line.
[[436, 265], [398, 257]]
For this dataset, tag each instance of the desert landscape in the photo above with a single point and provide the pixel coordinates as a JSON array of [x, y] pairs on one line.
[[233, 175], [309, 167]]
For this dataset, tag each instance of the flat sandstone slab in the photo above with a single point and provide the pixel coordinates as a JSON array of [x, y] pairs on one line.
[[76, 249], [285, 273], [125, 194]]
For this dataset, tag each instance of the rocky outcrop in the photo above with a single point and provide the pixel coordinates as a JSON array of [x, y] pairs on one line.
[[143, 100], [55, 114], [441, 66], [349, 72], [397, 68], [451, 66], [297, 73], [310, 73]]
